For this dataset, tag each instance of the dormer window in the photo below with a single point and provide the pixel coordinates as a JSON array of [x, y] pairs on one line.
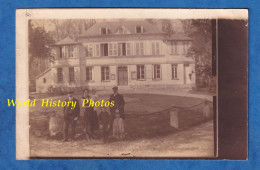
[[139, 29], [103, 31]]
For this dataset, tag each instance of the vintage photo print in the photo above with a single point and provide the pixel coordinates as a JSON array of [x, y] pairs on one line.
[[117, 83]]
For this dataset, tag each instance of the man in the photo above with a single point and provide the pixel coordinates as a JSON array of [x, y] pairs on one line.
[[71, 116], [119, 103], [90, 117]]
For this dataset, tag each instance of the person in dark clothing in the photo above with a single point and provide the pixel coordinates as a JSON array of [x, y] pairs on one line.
[[90, 117], [119, 103], [104, 118], [71, 116]]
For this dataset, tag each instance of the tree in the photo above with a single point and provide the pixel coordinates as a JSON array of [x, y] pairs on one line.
[[39, 50], [70, 27], [201, 49]]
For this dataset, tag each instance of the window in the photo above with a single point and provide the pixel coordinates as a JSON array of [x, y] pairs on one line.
[[89, 50], [104, 49], [105, 73], [186, 46], [75, 51], [110, 49], [173, 48], [155, 48], [88, 73], [65, 52], [115, 49], [174, 71], [71, 74], [103, 31], [128, 48], [139, 48], [120, 30], [157, 72], [60, 52], [121, 49], [179, 47], [70, 51], [60, 75], [44, 80], [139, 29], [140, 72]]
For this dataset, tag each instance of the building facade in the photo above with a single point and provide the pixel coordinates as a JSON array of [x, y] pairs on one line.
[[126, 53]]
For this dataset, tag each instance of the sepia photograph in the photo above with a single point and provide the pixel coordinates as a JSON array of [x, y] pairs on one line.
[[118, 86]]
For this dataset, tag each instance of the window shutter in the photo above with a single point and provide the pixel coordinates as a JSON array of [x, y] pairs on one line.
[[97, 50]]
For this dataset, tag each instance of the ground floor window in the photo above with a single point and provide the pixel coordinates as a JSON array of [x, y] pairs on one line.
[[88, 73], [60, 75], [174, 71], [157, 72], [140, 72], [71, 74], [105, 73]]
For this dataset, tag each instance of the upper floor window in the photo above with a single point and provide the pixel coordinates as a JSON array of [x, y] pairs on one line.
[[140, 72], [71, 74], [104, 49], [104, 31], [121, 49], [157, 71], [60, 75], [186, 46], [155, 48], [64, 52], [173, 47], [59, 52], [105, 73], [139, 29], [128, 48], [139, 48], [68, 51], [89, 50]]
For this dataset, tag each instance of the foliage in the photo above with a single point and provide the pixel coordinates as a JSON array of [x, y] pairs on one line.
[[70, 27], [201, 49], [39, 50]]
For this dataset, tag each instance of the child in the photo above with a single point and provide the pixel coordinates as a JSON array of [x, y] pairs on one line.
[[55, 124], [104, 122], [118, 126]]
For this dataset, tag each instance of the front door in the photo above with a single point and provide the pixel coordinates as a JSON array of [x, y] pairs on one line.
[[122, 76]]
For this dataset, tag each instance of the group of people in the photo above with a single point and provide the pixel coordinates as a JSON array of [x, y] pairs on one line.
[[96, 118]]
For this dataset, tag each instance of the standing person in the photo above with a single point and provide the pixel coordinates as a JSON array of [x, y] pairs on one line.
[[119, 103], [118, 126], [90, 118], [94, 122], [70, 117], [87, 115]]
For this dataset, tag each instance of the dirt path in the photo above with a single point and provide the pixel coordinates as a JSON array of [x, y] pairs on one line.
[[197, 141]]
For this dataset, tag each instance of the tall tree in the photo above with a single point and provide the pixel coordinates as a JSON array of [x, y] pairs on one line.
[[39, 50], [201, 49]]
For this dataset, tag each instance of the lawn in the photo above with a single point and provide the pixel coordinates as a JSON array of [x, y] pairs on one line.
[[144, 119]]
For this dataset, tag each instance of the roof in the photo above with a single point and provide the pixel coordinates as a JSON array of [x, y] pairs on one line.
[[113, 26], [178, 36], [46, 71], [66, 41]]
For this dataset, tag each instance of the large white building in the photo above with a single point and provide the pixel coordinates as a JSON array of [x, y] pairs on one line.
[[128, 53]]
